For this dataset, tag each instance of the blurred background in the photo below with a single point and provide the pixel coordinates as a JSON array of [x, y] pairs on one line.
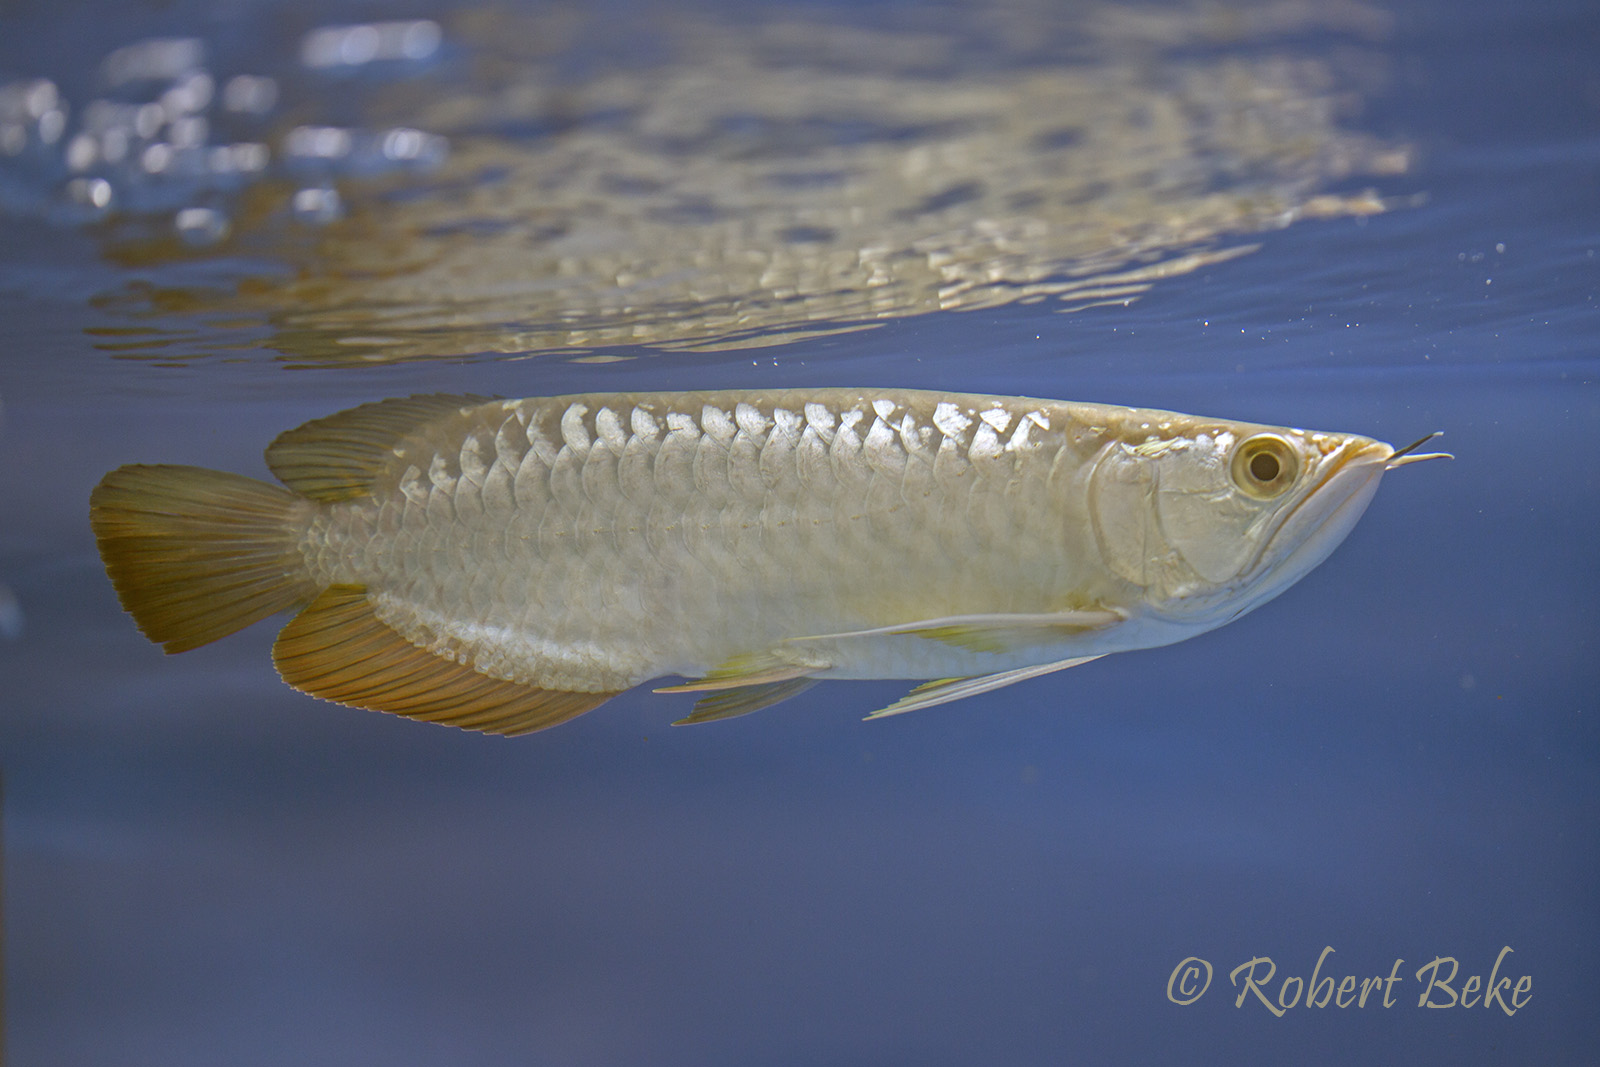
[[219, 220]]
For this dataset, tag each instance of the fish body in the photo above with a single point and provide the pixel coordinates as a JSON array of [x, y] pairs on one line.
[[505, 564]]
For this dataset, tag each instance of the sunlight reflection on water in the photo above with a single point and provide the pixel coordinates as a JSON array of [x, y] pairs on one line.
[[504, 183]]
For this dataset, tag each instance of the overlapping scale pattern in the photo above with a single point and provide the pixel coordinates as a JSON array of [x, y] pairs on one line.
[[592, 542]]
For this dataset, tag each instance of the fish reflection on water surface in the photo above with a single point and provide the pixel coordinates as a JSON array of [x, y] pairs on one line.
[[586, 180], [505, 565]]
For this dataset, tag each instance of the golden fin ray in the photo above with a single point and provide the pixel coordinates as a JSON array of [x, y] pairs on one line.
[[197, 554], [731, 703], [339, 650], [343, 455]]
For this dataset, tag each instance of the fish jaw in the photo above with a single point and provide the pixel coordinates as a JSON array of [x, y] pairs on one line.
[[1310, 532], [1296, 541]]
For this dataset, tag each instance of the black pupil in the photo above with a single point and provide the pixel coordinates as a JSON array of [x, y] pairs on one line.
[[1264, 466]]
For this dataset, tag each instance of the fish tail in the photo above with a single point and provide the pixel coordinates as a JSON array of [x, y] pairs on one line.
[[197, 554]]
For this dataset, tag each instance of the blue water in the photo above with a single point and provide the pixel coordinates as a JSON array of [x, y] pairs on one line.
[[1399, 758]]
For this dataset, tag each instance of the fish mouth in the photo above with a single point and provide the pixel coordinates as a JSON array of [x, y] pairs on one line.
[[1322, 518]]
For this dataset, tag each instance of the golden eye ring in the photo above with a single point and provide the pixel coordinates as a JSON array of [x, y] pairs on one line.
[[1264, 466]]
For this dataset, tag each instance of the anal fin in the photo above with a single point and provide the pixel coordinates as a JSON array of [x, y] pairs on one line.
[[339, 650]]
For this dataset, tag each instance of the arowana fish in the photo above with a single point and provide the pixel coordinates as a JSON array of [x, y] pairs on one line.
[[505, 565]]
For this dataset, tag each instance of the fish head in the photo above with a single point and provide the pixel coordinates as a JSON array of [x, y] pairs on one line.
[[1210, 519]]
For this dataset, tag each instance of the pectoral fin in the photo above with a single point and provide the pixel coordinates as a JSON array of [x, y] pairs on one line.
[[994, 633], [944, 690]]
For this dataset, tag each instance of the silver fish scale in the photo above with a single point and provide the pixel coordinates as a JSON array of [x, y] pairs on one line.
[[592, 542]]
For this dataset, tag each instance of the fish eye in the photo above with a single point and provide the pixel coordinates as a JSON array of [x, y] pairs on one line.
[[1264, 466]]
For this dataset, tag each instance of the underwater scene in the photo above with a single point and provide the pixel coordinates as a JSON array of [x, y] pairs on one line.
[[657, 533]]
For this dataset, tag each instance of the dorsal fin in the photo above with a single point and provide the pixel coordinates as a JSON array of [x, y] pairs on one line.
[[339, 650], [342, 455]]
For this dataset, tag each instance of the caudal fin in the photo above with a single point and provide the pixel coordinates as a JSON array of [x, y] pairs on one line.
[[196, 554]]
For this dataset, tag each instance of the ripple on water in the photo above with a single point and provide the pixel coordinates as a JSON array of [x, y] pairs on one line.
[[516, 182]]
